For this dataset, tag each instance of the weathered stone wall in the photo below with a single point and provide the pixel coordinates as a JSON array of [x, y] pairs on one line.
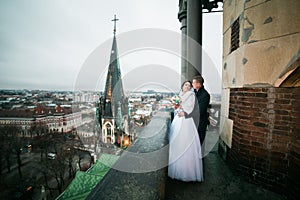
[[141, 171], [268, 48], [269, 35], [265, 139]]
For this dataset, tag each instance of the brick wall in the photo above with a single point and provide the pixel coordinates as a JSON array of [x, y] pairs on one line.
[[265, 140]]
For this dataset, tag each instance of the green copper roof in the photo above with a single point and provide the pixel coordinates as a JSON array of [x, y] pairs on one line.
[[84, 182]]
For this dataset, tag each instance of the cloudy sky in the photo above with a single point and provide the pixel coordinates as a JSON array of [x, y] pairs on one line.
[[48, 44]]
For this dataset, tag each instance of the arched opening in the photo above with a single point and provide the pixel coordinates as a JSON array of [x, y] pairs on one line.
[[293, 80], [108, 133], [291, 76], [108, 140]]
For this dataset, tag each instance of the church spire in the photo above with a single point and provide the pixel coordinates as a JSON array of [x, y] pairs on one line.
[[114, 93], [112, 112], [115, 24]]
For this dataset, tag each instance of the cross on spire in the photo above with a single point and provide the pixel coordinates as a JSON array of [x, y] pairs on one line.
[[115, 23]]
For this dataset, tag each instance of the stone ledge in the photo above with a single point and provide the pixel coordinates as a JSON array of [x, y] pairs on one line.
[[141, 171]]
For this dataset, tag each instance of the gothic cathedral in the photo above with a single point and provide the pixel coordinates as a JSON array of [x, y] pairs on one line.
[[113, 106]]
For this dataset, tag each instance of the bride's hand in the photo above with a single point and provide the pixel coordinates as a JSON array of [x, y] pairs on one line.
[[181, 114]]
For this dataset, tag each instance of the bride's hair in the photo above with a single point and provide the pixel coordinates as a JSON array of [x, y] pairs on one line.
[[185, 82]]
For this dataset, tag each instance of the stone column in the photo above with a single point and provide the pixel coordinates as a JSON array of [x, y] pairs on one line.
[[183, 19], [194, 40]]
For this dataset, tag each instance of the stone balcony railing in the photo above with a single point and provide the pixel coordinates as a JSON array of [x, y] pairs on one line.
[[141, 171]]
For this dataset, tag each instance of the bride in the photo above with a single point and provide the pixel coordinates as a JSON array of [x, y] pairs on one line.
[[185, 161]]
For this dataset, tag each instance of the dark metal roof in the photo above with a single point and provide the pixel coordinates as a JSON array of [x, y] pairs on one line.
[[114, 99]]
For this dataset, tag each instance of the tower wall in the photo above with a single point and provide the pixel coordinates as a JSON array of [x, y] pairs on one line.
[[260, 118]]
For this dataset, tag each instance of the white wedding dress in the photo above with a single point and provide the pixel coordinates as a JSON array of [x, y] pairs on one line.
[[185, 158]]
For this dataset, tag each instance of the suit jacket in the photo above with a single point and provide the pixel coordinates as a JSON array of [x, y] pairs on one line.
[[203, 98]]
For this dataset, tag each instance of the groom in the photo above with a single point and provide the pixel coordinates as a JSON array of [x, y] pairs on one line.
[[203, 98]]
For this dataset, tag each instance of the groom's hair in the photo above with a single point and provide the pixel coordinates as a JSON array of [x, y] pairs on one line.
[[199, 78]]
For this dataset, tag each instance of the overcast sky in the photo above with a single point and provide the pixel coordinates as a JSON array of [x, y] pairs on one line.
[[45, 44]]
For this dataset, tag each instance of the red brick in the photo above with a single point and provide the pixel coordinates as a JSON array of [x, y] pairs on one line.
[[246, 104], [282, 123], [261, 95], [260, 151], [280, 132], [288, 96], [281, 112], [283, 138], [257, 144], [242, 116], [285, 107], [245, 151], [258, 134], [259, 124], [278, 155], [264, 121], [279, 148], [250, 90], [260, 105], [257, 110], [286, 118], [259, 139], [295, 103], [295, 144], [255, 100], [246, 137], [295, 115], [246, 112], [248, 94], [259, 129], [283, 127]]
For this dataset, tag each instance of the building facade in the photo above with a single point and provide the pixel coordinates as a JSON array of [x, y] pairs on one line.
[[31, 121], [260, 117]]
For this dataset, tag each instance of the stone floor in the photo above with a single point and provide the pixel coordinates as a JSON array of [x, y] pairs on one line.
[[219, 183]]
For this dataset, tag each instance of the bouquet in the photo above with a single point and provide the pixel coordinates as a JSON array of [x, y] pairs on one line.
[[176, 100]]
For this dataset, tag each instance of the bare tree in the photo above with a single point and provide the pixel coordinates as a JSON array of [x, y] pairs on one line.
[[6, 146], [17, 144], [11, 144]]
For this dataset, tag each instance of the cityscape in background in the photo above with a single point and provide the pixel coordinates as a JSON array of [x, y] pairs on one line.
[[47, 129], [67, 110], [50, 139], [72, 126]]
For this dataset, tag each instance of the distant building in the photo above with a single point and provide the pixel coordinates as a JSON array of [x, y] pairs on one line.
[[53, 118]]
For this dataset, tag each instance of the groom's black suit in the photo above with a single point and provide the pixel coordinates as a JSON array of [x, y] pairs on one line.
[[203, 98], [199, 114]]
